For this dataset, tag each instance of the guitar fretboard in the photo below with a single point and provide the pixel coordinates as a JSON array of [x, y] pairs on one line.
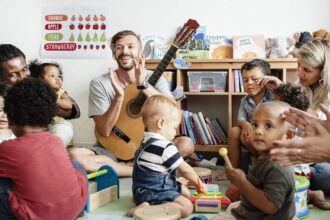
[[140, 99]]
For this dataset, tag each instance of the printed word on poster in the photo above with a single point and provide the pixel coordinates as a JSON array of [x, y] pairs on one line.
[[77, 32]]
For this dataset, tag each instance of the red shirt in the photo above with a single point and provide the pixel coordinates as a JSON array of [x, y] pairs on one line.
[[45, 184]]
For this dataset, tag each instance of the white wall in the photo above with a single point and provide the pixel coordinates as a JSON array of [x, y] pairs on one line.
[[20, 23]]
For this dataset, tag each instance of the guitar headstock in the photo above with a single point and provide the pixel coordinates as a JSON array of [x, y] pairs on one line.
[[186, 32]]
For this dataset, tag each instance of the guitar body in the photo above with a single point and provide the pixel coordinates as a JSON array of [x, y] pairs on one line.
[[126, 136], [132, 126]]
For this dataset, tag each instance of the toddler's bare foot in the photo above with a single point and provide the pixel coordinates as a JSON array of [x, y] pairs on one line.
[[317, 198], [132, 210], [221, 176]]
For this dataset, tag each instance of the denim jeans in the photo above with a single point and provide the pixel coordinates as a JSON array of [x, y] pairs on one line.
[[6, 187], [321, 177]]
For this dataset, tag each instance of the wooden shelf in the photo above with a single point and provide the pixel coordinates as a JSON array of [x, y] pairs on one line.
[[221, 105], [208, 148]]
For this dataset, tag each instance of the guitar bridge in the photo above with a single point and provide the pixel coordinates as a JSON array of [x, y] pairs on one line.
[[121, 134]]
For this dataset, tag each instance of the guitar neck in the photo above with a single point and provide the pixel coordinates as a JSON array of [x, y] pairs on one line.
[[162, 65]]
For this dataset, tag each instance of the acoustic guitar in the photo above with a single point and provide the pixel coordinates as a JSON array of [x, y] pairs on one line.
[[126, 136]]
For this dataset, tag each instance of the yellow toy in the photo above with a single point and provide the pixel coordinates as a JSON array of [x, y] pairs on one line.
[[223, 152]]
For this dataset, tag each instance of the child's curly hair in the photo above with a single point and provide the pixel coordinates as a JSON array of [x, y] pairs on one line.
[[294, 95], [31, 102]]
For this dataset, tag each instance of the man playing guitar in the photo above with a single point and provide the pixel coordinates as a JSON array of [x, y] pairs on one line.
[[106, 97]]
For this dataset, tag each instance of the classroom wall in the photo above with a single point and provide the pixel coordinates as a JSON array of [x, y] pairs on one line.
[[20, 23]]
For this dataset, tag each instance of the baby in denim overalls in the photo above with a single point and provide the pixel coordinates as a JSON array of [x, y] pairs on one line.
[[156, 161]]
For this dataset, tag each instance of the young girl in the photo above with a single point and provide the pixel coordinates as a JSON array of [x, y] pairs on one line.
[[51, 73], [5, 131], [156, 161]]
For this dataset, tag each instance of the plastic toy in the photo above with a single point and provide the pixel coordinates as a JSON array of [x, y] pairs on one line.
[[103, 189]]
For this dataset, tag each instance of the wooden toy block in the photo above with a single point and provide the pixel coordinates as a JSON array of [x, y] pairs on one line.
[[92, 186], [107, 188]]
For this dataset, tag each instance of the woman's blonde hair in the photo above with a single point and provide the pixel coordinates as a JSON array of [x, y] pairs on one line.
[[317, 54], [158, 106]]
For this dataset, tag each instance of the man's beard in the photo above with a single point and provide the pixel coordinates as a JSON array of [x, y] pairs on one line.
[[126, 68]]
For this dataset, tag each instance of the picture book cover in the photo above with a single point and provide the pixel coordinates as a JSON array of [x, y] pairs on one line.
[[249, 47], [221, 47]]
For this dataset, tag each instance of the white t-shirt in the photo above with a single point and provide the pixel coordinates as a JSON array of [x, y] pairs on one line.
[[12, 136]]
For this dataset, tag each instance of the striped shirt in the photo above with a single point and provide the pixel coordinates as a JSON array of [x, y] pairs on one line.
[[160, 156]]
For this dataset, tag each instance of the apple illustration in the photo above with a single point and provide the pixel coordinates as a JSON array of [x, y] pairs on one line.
[[80, 18], [95, 18], [91, 46], [103, 46], [88, 26], [73, 18], [102, 18], [71, 26], [85, 47], [79, 46], [80, 26], [95, 26], [103, 26], [97, 47]]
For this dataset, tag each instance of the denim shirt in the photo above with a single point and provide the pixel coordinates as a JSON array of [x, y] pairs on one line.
[[248, 106]]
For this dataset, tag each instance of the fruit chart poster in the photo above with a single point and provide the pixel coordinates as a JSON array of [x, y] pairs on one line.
[[75, 32]]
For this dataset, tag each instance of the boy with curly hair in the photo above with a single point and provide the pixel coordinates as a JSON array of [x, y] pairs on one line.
[[37, 179]]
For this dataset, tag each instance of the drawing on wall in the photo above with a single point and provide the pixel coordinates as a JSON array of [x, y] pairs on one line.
[[75, 32]]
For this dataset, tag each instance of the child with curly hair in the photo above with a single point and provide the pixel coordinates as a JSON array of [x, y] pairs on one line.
[[37, 179], [52, 74]]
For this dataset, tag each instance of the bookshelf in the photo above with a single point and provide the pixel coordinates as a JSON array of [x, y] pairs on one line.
[[221, 105]]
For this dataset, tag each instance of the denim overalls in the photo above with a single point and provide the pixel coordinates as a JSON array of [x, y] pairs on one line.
[[152, 187]]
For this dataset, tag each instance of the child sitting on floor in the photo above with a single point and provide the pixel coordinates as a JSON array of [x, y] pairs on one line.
[[37, 179], [156, 161], [256, 77], [5, 131], [268, 189], [52, 74], [297, 97]]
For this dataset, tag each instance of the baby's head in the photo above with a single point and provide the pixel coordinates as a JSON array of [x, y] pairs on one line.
[[51, 73], [251, 72], [30, 102], [3, 117], [161, 114], [294, 95], [268, 125]]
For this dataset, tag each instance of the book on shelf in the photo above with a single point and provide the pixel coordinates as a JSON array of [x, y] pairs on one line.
[[236, 75], [200, 129], [240, 76], [221, 47], [197, 48], [249, 47], [154, 46], [219, 129], [189, 126], [204, 127], [214, 133]]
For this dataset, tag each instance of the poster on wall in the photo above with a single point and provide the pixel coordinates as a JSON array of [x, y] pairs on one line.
[[75, 32]]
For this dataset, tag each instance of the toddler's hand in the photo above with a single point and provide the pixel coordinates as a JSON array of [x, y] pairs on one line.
[[235, 176], [201, 187]]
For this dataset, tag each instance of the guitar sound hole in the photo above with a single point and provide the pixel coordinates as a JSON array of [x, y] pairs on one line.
[[133, 109]]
